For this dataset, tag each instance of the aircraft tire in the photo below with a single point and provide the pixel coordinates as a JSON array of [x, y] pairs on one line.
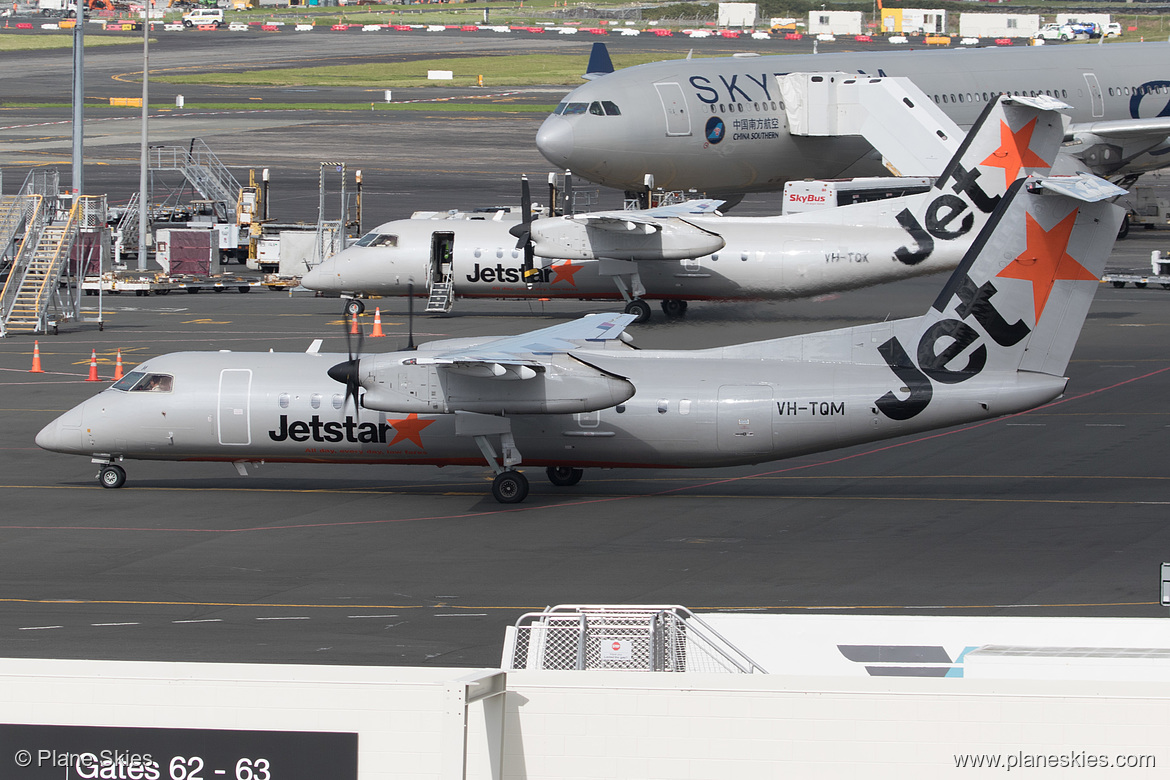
[[510, 487], [674, 308], [1123, 231], [564, 476], [354, 307], [112, 476], [640, 309]]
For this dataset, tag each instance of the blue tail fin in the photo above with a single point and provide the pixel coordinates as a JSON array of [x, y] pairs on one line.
[[599, 62]]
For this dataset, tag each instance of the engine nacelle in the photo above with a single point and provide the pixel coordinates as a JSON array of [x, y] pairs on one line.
[[563, 385]]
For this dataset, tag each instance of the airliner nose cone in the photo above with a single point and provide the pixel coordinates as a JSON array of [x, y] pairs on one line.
[[555, 141], [319, 276], [47, 438]]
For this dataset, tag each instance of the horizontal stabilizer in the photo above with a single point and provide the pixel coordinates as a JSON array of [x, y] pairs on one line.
[[1081, 186]]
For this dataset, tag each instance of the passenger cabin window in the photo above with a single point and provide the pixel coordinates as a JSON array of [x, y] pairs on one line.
[[377, 239], [141, 382]]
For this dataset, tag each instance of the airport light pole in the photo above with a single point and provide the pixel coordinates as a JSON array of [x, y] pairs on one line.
[[143, 196], [78, 101]]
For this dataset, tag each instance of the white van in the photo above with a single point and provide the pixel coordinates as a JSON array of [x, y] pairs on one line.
[[204, 16]]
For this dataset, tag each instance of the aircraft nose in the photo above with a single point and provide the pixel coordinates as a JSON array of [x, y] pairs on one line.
[[62, 434], [555, 141], [323, 276]]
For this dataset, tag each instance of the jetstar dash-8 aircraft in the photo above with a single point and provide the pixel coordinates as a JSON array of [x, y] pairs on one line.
[[721, 125], [676, 256], [996, 341]]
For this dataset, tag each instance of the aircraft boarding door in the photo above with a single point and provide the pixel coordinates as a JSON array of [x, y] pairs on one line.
[[1095, 94], [442, 254], [235, 388], [743, 419], [674, 103]]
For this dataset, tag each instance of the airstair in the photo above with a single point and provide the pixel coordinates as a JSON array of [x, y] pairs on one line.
[[29, 291], [442, 296], [202, 170], [42, 290], [635, 638]]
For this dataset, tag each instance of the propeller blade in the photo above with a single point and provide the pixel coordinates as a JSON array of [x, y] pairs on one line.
[[523, 231], [347, 372], [410, 316]]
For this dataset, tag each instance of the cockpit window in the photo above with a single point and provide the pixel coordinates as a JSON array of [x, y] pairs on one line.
[[141, 382], [596, 109], [128, 381], [574, 108], [611, 108], [377, 239]]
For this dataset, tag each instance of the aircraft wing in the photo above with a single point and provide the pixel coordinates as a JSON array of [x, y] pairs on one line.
[[1153, 129], [645, 234], [646, 220], [505, 358], [463, 378], [1119, 145]]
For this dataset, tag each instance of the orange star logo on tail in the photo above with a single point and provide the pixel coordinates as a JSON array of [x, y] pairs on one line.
[[1046, 260], [410, 428], [1014, 152]]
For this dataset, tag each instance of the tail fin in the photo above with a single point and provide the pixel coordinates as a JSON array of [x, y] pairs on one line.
[[1014, 136], [599, 62], [1015, 305]]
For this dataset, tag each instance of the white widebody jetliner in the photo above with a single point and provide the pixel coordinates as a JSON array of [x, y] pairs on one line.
[[685, 253], [725, 125], [996, 341]]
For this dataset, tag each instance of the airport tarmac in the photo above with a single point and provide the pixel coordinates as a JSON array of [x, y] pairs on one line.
[[1057, 512]]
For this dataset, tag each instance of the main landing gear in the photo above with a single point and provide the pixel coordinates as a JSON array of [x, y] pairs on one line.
[[509, 486], [673, 308]]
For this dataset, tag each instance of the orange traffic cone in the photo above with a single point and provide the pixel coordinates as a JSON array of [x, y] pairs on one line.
[[93, 377], [118, 366], [377, 331], [353, 328], [36, 367]]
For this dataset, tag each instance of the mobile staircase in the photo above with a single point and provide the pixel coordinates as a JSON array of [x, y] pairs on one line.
[[202, 170], [41, 290]]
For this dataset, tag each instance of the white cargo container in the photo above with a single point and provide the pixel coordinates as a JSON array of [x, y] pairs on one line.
[[738, 14], [834, 22]]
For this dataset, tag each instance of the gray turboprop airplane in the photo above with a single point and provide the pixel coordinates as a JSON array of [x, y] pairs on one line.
[[996, 341], [675, 256], [721, 125]]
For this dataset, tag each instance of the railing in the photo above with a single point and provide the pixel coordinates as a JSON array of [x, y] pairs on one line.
[[644, 638]]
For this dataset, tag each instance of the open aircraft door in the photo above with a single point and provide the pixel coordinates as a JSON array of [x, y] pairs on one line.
[[442, 254], [235, 389], [743, 418], [1095, 94], [674, 103]]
